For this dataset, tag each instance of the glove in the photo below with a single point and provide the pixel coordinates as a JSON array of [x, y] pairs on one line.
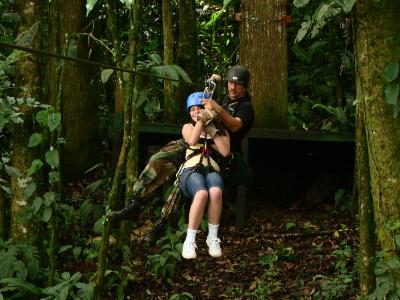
[[211, 130], [215, 77], [207, 116]]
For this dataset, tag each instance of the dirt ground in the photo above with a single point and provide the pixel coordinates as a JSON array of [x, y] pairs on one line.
[[281, 253]]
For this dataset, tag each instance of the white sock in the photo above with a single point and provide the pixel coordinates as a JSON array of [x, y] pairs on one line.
[[191, 235], [213, 230]]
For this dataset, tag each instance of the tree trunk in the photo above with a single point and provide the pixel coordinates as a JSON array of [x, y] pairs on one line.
[[377, 39], [4, 217], [263, 49], [79, 93], [366, 209], [187, 51], [27, 81], [170, 106]]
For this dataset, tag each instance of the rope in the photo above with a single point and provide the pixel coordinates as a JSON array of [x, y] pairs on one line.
[[89, 62]]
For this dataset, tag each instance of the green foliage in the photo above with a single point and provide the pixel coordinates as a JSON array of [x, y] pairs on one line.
[[326, 10], [321, 71], [338, 287], [218, 34], [392, 88], [343, 202], [387, 267], [11, 111], [261, 290], [342, 284], [181, 296], [387, 271], [284, 253], [290, 225], [339, 119], [69, 286], [163, 264]]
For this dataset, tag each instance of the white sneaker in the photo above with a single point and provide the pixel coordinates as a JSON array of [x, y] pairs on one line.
[[214, 249], [189, 250]]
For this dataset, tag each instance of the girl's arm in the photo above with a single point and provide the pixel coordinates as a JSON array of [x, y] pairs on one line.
[[191, 133], [222, 143]]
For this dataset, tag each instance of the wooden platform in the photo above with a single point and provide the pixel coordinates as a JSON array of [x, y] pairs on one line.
[[259, 133]]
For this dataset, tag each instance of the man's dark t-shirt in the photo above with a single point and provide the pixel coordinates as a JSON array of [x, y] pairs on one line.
[[243, 109]]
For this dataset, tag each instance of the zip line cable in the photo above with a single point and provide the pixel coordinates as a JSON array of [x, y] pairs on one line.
[[89, 62]]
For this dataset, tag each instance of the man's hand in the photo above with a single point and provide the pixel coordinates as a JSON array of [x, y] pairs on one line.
[[211, 105]]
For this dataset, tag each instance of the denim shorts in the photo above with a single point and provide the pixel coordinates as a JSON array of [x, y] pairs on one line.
[[193, 181]]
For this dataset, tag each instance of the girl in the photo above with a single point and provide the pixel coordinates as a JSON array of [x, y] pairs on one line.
[[200, 179]]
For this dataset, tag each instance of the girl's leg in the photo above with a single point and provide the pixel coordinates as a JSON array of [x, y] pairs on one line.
[[215, 184], [215, 206], [197, 209], [193, 186]]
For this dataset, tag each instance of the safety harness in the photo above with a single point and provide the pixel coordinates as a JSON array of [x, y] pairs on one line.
[[205, 153]]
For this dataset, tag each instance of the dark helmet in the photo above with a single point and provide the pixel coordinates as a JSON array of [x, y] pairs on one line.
[[194, 100], [238, 74]]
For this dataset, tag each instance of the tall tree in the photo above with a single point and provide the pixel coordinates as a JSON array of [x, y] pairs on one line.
[[377, 45], [77, 88], [263, 49], [170, 106], [27, 81], [187, 49]]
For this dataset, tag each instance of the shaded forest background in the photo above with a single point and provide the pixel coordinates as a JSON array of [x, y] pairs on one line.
[[84, 76]]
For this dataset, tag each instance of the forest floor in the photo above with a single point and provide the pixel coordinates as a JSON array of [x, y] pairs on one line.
[[281, 253]]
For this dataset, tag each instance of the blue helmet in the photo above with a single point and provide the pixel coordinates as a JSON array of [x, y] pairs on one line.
[[194, 100]]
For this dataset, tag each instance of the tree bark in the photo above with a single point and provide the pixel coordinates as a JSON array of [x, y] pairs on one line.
[[366, 209], [170, 106], [187, 51], [263, 49], [377, 39], [79, 92], [4, 217]]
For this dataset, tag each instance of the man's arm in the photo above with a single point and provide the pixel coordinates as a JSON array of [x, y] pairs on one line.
[[233, 124]]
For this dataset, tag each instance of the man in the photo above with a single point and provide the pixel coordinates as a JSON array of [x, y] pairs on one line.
[[236, 113], [236, 110]]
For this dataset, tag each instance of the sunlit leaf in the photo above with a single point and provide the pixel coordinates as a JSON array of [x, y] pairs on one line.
[[397, 240], [142, 98], [12, 172], [64, 248], [392, 93], [347, 5], [36, 204], [156, 58], [52, 158], [89, 6], [300, 3], [35, 166], [34, 140], [105, 75], [41, 117], [54, 120], [182, 73], [391, 71], [226, 3], [49, 198], [47, 214], [305, 26], [29, 189]]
